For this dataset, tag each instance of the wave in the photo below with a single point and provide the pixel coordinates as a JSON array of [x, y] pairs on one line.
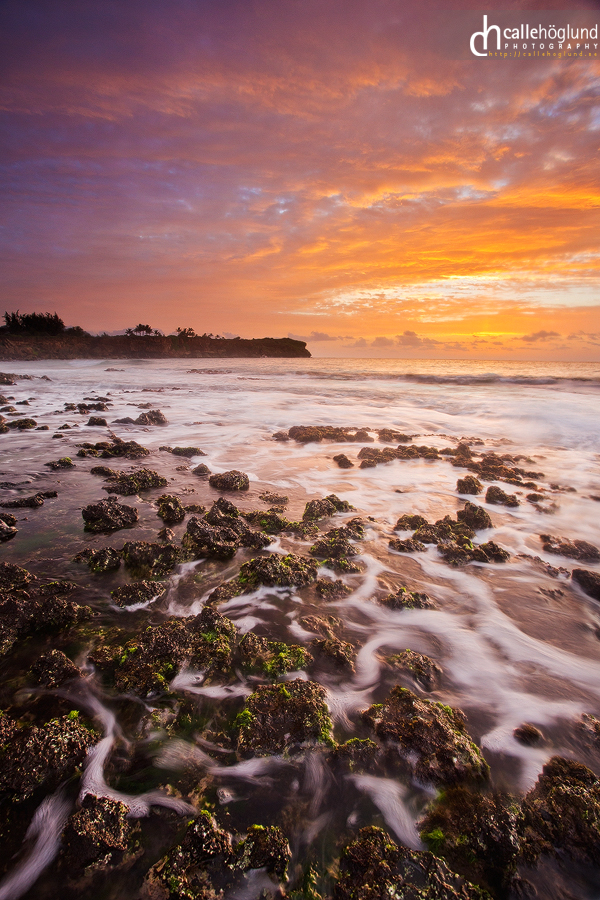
[[489, 378]]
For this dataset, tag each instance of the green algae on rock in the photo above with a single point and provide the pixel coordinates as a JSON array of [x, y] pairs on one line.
[[230, 481], [107, 559], [274, 658], [405, 599], [129, 483], [170, 509], [274, 570], [107, 516], [428, 737], [96, 833], [137, 592], [423, 669], [282, 717], [150, 560]]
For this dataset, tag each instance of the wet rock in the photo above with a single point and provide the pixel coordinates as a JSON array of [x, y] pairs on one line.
[[589, 582], [274, 499], [194, 869], [100, 561], [146, 665], [474, 516], [14, 578], [39, 608], [152, 417], [107, 516], [528, 734], [166, 534], [589, 728], [170, 509], [22, 424], [230, 481], [7, 527], [562, 813], [431, 738], [318, 509], [410, 523], [274, 658], [407, 546], [129, 483], [460, 554], [24, 502], [389, 436], [98, 831], [305, 434], [343, 462], [282, 717], [115, 448], [581, 550], [150, 560], [469, 485], [187, 451], [65, 462], [281, 436], [271, 521], [43, 428], [53, 669], [357, 755], [476, 834], [372, 867], [97, 422], [332, 590], [220, 533], [36, 757], [334, 545], [137, 592], [264, 847], [126, 420], [423, 669], [323, 625], [405, 599], [497, 496], [340, 653], [201, 470]]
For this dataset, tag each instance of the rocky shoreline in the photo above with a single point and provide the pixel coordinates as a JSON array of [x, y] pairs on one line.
[[154, 743]]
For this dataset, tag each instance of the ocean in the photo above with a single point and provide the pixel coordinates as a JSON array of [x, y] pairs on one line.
[[516, 642]]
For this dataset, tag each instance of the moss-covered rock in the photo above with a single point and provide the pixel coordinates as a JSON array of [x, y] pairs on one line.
[[420, 667], [408, 546], [137, 592], [332, 590], [405, 599], [496, 496], [170, 509], [332, 650], [107, 559], [150, 560], [230, 481], [274, 658], [129, 483], [281, 717], [14, 578], [357, 755], [107, 516], [98, 832], [429, 737], [53, 669], [469, 485], [65, 462], [410, 522], [264, 847], [220, 533], [116, 447], [44, 609], [474, 516], [201, 471], [188, 452], [274, 570]]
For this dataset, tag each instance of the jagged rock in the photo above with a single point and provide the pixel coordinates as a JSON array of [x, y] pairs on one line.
[[318, 509], [334, 545], [332, 590], [405, 599], [137, 592], [423, 669], [576, 549], [107, 516], [100, 561], [373, 867], [281, 436], [201, 470], [116, 447], [410, 523], [274, 658], [264, 847], [408, 546], [429, 737], [343, 462], [65, 462], [129, 483], [230, 481], [97, 421], [14, 578], [323, 625], [152, 417], [589, 582], [98, 831], [469, 485], [53, 669], [150, 560], [170, 509], [461, 554], [22, 424], [7, 527], [340, 653], [187, 451], [528, 734], [474, 516], [496, 495], [24, 502], [357, 755], [281, 717]]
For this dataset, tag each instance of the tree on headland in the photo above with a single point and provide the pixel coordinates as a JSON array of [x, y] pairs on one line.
[[33, 323], [186, 332]]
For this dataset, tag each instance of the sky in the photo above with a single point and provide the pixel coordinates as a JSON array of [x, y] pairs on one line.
[[345, 172]]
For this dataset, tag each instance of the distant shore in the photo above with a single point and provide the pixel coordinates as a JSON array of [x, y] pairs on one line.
[[27, 347]]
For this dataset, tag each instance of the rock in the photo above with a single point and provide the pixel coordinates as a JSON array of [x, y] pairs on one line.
[[65, 462], [274, 658], [40, 609], [43, 428], [334, 545], [389, 436], [408, 546], [14, 578], [476, 834], [343, 462], [24, 502], [100, 561], [372, 867], [22, 424], [274, 499], [459, 555], [274, 570], [562, 813], [589, 582], [98, 831], [39, 757], [497, 496], [150, 560], [187, 451], [405, 599], [152, 417], [53, 669], [410, 523], [469, 485], [137, 592], [581, 550], [474, 516], [340, 653], [281, 717], [423, 669], [446, 529], [318, 509], [430, 738], [230, 481], [201, 470], [97, 422], [170, 509], [332, 590], [107, 516], [7, 527], [323, 625], [264, 847], [356, 755], [528, 734], [166, 534], [220, 533], [118, 447], [129, 483]]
